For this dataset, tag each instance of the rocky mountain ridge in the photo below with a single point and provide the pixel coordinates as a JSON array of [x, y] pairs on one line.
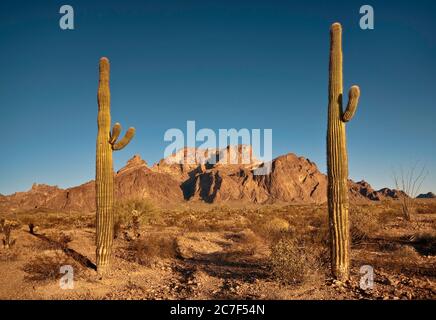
[[189, 175]]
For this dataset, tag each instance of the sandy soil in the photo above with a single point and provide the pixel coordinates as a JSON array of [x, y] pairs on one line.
[[216, 256]]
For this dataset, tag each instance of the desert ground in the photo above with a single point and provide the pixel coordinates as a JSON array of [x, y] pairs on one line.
[[209, 251]]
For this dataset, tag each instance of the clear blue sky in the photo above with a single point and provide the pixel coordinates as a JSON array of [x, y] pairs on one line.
[[224, 64]]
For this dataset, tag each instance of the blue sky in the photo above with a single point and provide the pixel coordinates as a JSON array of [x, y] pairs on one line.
[[224, 64]]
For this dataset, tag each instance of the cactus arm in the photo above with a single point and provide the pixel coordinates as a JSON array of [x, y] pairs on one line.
[[353, 100], [125, 140], [116, 130]]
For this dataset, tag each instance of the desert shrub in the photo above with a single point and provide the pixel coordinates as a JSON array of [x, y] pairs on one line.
[[8, 255], [318, 233], [277, 225], [149, 250], [425, 243], [389, 246], [6, 227], [47, 266], [53, 240], [363, 224], [389, 214], [47, 219], [130, 214], [406, 253], [210, 220], [293, 261], [61, 239], [271, 229], [118, 227], [426, 207], [246, 242]]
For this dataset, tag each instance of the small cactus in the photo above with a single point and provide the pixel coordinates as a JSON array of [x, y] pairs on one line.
[[32, 228], [104, 178], [337, 161], [6, 227]]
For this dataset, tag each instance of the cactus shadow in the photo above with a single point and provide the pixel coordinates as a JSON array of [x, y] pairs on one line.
[[230, 266], [78, 257]]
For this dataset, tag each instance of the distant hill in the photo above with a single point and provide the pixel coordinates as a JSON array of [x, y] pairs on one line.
[[189, 176], [429, 195]]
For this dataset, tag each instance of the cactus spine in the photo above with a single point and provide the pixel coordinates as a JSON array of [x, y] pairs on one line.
[[104, 177], [337, 161]]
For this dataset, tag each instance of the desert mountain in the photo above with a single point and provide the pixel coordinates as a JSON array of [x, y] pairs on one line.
[[211, 176], [363, 188], [429, 195], [292, 179]]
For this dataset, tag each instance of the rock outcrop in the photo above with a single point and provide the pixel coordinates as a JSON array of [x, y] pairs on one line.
[[134, 180], [429, 195], [211, 176]]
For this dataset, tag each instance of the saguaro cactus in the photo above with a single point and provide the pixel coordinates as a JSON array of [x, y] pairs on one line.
[[337, 160], [104, 176]]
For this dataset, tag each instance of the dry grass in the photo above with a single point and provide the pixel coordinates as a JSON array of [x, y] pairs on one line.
[[407, 253], [271, 229], [149, 250], [9, 254], [247, 243], [47, 266], [44, 219], [298, 241], [295, 262], [426, 207], [425, 242], [364, 224], [58, 240], [219, 218], [404, 258], [266, 252]]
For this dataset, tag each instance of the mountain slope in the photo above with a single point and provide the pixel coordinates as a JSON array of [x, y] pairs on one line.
[[191, 175]]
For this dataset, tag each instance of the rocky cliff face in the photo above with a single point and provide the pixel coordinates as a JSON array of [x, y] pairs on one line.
[[292, 179], [211, 176]]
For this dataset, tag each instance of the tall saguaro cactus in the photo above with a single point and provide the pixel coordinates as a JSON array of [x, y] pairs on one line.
[[337, 160], [104, 176]]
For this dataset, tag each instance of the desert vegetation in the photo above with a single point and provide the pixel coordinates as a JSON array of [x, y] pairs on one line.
[[104, 176], [220, 232], [410, 182], [6, 228], [337, 159], [222, 252]]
